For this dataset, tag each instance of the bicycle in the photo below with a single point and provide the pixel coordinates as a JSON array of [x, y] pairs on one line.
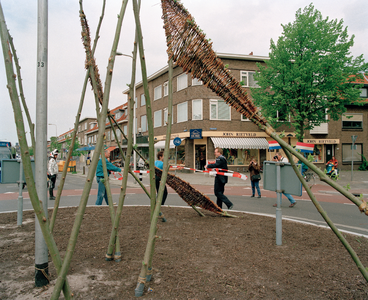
[[309, 178]]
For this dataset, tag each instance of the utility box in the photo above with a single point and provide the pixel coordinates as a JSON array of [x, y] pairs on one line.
[[290, 182], [10, 170]]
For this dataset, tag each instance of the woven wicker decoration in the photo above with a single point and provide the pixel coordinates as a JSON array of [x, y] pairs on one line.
[[189, 49], [189, 194]]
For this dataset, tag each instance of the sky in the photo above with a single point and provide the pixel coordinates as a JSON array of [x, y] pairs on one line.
[[234, 26]]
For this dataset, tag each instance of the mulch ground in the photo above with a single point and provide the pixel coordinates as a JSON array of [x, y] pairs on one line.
[[209, 257]]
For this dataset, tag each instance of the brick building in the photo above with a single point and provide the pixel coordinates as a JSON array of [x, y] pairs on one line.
[[204, 121]]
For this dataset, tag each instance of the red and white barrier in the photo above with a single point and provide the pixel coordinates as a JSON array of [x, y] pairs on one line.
[[213, 172]]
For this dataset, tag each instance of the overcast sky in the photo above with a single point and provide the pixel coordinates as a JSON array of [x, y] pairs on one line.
[[234, 26]]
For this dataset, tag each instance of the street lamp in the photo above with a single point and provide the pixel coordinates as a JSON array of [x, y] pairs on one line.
[[56, 129], [134, 117]]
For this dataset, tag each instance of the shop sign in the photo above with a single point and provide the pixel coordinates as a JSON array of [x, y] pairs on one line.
[[195, 134], [322, 141], [240, 134]]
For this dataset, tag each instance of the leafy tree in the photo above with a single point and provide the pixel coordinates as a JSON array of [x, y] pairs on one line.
[[310, 72], [76, 146], [54, 144]]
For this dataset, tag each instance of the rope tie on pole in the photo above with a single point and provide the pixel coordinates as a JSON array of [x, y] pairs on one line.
[[142, 280]]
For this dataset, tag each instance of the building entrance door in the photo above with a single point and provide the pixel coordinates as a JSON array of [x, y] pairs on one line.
[[200, 157], [329, 152]]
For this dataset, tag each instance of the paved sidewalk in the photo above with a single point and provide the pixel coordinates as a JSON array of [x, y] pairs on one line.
[[359, 184]]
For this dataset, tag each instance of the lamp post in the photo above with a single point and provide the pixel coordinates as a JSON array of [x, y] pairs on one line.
[[134, 117], [55, 128], [353, 146]]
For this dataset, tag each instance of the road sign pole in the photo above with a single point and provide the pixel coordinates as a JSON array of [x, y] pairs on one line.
[[20, 197], [278, 208]]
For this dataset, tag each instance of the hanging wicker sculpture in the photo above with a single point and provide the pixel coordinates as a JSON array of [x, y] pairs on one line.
[[189, 194], [189, 49]]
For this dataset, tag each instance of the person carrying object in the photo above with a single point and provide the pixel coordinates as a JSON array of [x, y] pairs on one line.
[[220, 180], [255, 177]]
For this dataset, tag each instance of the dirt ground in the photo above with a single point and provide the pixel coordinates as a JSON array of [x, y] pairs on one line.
[[195, 257]]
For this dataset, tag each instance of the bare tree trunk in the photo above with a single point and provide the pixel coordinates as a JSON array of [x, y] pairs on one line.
[[76, 124], [90, 176], [26, 160]]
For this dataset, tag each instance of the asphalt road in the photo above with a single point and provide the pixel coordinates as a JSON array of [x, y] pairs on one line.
[[345, 215]]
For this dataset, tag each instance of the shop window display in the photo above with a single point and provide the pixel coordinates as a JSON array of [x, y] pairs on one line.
[[318, 156], [239, 157]]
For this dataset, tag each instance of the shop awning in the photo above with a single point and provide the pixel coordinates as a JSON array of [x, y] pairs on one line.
[[240, 143], [88, 148], [112, 148], [161, 145]]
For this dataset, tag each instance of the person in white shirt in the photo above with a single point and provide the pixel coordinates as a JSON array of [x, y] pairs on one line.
[[52, 172]]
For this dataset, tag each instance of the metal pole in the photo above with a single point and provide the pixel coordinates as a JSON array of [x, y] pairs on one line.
[[352, 158], [41, 252], [134, 132], [278, 208], [20, 197]]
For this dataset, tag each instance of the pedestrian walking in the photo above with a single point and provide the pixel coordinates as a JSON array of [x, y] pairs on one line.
[[101, 193], [220, 180], [255, 176], [280, 158]]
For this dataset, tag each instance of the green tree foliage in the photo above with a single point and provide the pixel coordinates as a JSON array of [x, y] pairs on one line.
[[310, 72], [76, 146], [54, 144]]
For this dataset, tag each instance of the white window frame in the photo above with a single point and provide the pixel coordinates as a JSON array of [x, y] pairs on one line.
[[364, 92], [157, 92], [180, 107], [125, 129], [166, 88], [144, 128], [247, 75], [157, 118], [242, 118], [215, 102], [166, 116], [143, 100], [182, 82], [196, 81], [193, 111]]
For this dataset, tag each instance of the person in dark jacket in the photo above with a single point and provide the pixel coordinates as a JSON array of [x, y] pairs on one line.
[[254, 169], [220, 180]]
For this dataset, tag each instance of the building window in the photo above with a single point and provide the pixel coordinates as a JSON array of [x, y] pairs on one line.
[[219, 110], [125, 129], [182, 112], [85, 126], [197, 109], [166, 88], [144, 126], [247, 79], [157, 93], [196, 81], [182, 82], [166, 117], [364, 92], [157, 118], [348, 154], [118, 135], [352, 121], [108, 135], [143, 100]]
